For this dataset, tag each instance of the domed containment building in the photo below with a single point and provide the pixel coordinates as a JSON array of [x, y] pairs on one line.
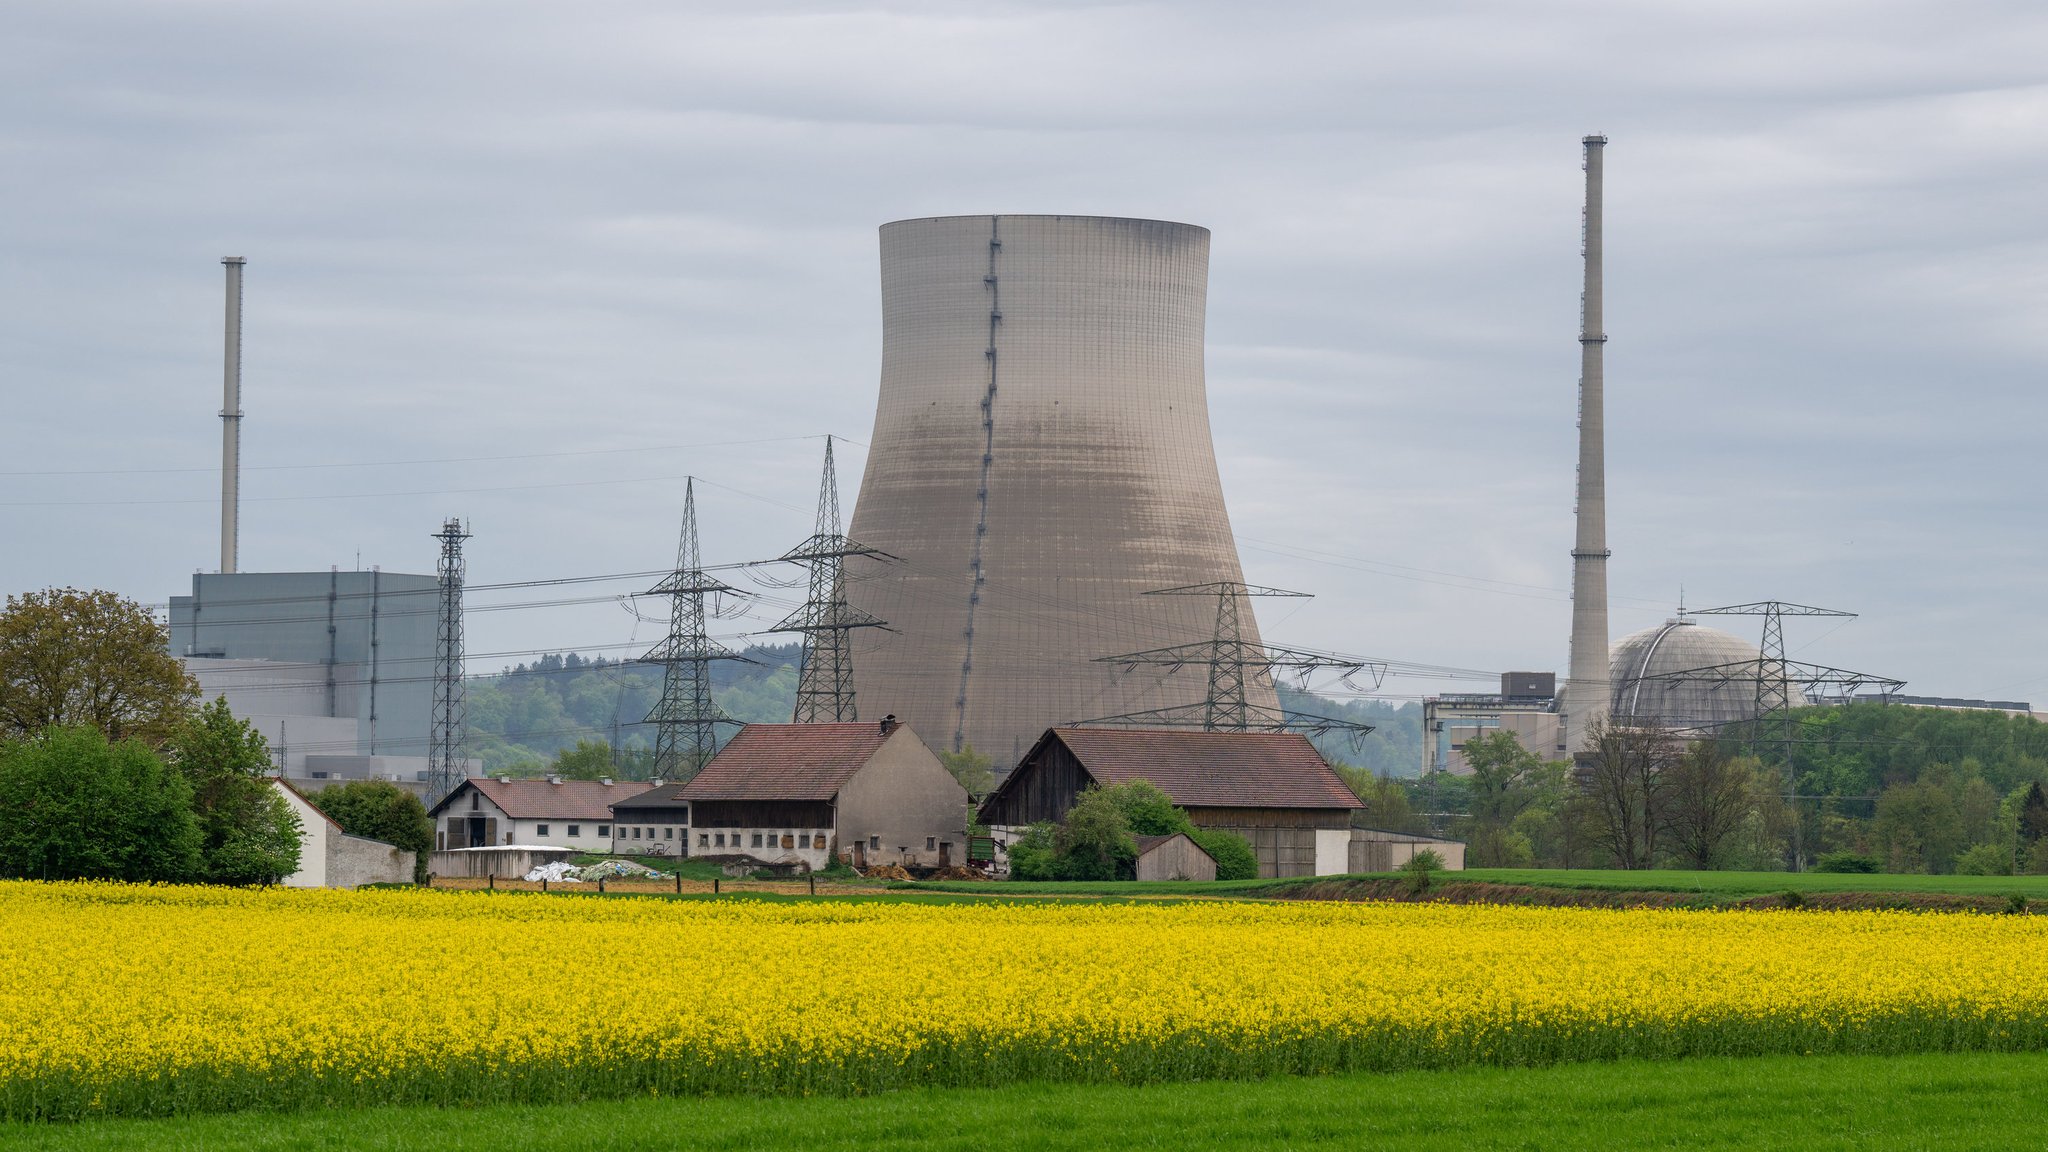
[[1680, 645], [1041, 460]]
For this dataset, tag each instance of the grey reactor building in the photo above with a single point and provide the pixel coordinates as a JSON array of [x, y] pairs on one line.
[[1041, 459]]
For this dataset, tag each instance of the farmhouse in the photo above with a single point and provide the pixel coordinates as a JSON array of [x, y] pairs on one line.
[[654, 823], [1272, 788], [482, 812], [331, 858], [805, 793]]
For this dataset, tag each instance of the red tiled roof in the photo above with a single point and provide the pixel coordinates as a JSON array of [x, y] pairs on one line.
[[787, 762], [1213, 769], [541, 800]]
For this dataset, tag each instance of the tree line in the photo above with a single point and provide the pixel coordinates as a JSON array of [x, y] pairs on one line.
[[1871, 787]]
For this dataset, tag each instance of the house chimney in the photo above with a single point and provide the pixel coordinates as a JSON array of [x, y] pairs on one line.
[[554, 779], [605, 780], [888, 723]]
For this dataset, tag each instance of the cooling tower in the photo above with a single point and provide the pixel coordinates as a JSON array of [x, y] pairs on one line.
[[1040, 460]]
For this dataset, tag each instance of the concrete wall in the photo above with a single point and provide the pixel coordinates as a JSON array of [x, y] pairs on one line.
[[903, 805], [331, 858], [480, 862], [1068, 351], [1178, 858], [1372, 850], [811, 847]]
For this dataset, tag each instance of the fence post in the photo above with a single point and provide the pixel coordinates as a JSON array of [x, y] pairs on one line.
[[493, 881], [714, 885], [600, 885], [679, 881], [543, 883], [814, 885]]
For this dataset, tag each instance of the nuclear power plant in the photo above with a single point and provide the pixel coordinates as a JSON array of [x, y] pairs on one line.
[[1041, 460]]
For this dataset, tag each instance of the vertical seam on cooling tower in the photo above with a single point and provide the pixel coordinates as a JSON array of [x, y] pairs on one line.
[[988, 455]]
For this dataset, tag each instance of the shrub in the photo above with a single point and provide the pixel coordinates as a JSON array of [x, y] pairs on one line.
[[75, 807], [1032, 856], [1846, 861], [1984, 860], [1422, 868], [1233, 854]]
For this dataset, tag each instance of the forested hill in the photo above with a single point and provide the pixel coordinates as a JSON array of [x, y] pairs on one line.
[[520, 719]]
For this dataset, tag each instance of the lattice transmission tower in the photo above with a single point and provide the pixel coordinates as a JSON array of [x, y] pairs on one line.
[[685, 719], [1231, 661], [445, 764], [1774, 680], [824, 686]]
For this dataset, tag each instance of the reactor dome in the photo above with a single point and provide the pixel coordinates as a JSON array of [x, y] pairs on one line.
[[1639, 659]]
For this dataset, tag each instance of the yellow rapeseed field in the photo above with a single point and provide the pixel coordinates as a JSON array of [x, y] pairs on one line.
[[137, 1000]]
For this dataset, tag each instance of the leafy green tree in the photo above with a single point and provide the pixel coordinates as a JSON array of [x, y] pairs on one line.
[[1033, 855], [1233, 854], [381, 810], [1386, 800], [1984, 860], [974, 771], [248, 833], [588, 760], [1917, 828], [1094, 840], [73, 806], [1506, 781], [70, 658]]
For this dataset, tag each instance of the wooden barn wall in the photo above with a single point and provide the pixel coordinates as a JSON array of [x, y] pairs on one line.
[[762, 814], [1042, 788]]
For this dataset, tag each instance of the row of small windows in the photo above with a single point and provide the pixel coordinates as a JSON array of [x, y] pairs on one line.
[[762, 840], [574, 830]]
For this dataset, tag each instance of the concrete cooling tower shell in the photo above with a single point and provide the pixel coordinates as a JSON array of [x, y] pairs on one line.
[[1041, 459]]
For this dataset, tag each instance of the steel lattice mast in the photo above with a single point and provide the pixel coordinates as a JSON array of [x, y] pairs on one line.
[[685, 719], [445, 764], [1774, 677], [1231, 661], [824, 687]]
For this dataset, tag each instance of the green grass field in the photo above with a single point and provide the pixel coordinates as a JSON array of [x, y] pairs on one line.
[[1962, 1101]]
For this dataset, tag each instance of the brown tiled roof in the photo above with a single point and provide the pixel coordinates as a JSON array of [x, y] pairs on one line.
[[541, 800], [787, 762], [667, 797], [1212, 769]]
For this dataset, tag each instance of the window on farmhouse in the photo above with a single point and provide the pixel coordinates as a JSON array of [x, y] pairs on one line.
[[874, 843], [604, 829], [703, 840], [636, 833], [540, 829], [575, 829], [931, 843], [668, 833], [757, 839], [721, 839], [818, 841]]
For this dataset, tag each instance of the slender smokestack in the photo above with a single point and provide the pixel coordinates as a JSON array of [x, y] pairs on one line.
[[231, 424], [1588, 693]]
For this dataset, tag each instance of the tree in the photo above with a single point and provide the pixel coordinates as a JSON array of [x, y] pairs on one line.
[[972, 769], [1387, 806], [381, 810], [1917, 828], [588, 760], [73, 807], [1235, 859], [2031, 830], [248, 833], [1705, 800], [1150, 812], [1506, 781], [1094, 840], [1621, 780], [1032, 855], [71, 658]]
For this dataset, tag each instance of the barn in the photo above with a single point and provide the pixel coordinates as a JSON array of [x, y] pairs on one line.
[[1272, 788]]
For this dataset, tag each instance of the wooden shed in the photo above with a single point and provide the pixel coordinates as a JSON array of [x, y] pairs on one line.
[[1173, 857]]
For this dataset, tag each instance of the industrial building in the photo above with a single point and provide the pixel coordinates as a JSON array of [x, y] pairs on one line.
[[1272, 788], [334, 668], [1041, 460], [1645, 691], [1526, 705]]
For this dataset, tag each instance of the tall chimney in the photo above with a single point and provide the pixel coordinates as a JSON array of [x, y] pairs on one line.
[[231, 424], [1587, 692]]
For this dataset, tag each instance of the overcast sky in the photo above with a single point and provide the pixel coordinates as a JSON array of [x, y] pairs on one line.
[[530, 264]]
